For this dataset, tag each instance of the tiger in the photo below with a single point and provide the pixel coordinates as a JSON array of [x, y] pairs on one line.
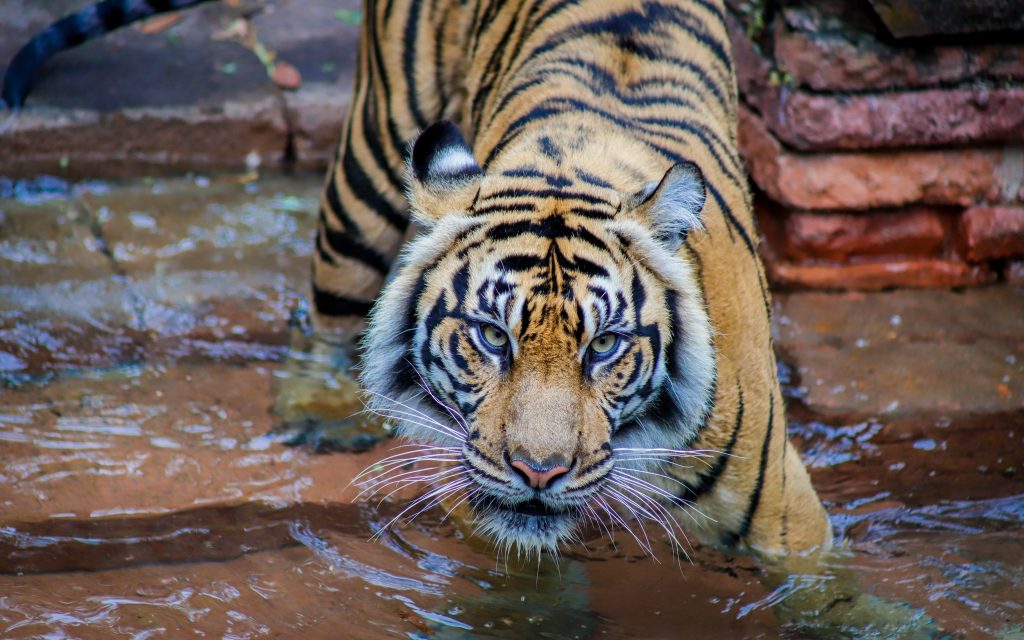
[[583, 308], [538, 225], [538, 222]]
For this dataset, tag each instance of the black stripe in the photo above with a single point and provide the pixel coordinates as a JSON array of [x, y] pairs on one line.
[[491, 68], [111, 13], [784, 532], [350, 246], [707, 481], [70, 31], [438, 40], [584, 235], [520, 262], [335, 206], [593, 180], [367, 193], [588, 268], [398, 141], [591, 214], [409, 59], [373, 140], [545, 193], [159, 6], [755, 498], [332, 304], [517, 207]]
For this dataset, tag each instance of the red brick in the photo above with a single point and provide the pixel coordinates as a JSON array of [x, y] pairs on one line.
[[873, 276], [993, 232], [808, 121], [825, 50], [915, 232], [845, 181]]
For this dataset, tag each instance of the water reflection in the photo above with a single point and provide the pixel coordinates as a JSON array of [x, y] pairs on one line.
[[140, 494]]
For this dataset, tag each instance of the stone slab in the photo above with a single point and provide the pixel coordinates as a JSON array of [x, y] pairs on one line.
[[133, 103], [160, 439], [918, 18], [911, 232], [223, 261], [808, 92], [878, 275], [61, 301], [958, 356], [212, 269], [926, 118]]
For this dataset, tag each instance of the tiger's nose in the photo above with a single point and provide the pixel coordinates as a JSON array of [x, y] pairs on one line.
[[539, 474]]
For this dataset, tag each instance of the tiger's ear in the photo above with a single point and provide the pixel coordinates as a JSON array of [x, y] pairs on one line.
[[444, 175], [671, 208]]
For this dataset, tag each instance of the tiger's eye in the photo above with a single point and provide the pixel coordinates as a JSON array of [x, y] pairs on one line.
[[604, 343], [494, 336]]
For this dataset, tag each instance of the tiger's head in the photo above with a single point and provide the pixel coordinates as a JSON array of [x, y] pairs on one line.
[[537, 338]]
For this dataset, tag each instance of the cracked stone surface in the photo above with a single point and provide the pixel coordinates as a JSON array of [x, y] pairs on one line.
[[953, 354], [220, 264]]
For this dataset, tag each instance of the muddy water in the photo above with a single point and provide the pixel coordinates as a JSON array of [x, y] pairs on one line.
[[144, 357]]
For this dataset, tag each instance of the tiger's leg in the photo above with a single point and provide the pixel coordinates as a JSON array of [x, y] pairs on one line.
[[814, 585], [403, 84], [760, 498]]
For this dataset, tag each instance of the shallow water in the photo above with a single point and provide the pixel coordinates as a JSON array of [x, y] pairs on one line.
[[143, 347]]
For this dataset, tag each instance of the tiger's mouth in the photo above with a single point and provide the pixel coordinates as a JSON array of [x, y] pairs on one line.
[[530, 524], [533, 507]]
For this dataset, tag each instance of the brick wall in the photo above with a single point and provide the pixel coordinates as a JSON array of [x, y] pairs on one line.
[[880, 162]]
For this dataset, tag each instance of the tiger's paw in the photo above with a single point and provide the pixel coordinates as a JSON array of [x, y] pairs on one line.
[[859, 616], [352, 435], [317, 398]]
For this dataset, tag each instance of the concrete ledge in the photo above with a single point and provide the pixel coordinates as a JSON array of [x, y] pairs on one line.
[[185, 99]]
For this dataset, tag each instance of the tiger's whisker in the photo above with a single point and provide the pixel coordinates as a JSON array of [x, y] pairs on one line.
[[427, 496], [685, 505], [617, 518], [382, 466], [452, 490], [417, 411], [418, 476]]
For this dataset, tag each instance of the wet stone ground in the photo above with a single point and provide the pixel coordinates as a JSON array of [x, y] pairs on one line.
[[144, 344]]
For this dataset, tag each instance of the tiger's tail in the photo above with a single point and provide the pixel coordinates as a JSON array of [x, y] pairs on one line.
[[71, 31]]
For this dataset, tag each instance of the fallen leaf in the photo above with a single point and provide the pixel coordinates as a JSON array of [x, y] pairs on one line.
[[160, 23], [1004, 391], [286, 76], [234, 4]]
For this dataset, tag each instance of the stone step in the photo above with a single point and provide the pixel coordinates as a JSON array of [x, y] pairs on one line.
[[939, 354], [168, 267], [193, 97], [158, 439]]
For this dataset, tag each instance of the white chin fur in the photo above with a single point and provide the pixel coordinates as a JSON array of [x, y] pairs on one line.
[[526, 535]]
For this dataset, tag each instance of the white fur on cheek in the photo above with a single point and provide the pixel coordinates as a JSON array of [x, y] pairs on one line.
[[694, 352], [385, 345]]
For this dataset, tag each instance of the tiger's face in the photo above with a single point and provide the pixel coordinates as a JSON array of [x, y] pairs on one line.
[[536, 341]]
